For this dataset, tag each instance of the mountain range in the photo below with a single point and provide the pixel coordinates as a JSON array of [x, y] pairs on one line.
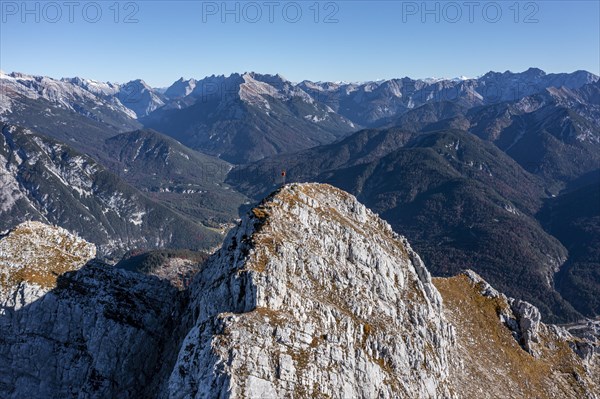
[[245, 236], [478, 173], [42, 179], [471, 187], [249, 116]]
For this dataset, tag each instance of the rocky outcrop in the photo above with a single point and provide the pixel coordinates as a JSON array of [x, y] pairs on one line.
[[588, 345], [101, 333], [529, 319], [32, 255], [522, 318], [503, 350], [314, 296], [311, 295], [68, 331]]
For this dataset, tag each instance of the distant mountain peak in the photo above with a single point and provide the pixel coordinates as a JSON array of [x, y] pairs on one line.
[[534, 71], [139, 97], [273, 80], [137, 82], [181, 88]]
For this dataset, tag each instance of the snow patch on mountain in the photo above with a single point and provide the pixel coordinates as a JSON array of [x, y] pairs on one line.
[[65, 93], [9, 187]]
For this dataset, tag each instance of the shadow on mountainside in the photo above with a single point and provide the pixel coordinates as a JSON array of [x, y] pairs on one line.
[[102, 332]]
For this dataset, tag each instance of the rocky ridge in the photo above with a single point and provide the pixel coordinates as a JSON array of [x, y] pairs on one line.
[[311, 295], [45, 180], [351, 312], [503, 350], [68, 331]]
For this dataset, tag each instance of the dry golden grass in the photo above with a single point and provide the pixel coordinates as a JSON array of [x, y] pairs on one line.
[[495, 365], [260, 213], [38, 254]]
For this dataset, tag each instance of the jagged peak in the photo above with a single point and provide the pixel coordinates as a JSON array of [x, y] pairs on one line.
[[534, 71], [181, 88], [138, 83], [308, 271], [265, 78]]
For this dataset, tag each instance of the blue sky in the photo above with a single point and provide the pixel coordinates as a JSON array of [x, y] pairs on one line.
[[345, 40]]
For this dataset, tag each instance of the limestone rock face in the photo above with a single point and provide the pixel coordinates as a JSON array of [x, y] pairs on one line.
[[311, 296], [68, 331], [588, 347], [101, 333], [314, 296]]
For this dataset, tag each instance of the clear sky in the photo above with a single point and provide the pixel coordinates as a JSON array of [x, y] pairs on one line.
[[160, 41]]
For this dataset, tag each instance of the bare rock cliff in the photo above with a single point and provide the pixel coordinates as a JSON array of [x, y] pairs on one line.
[[311, 296], [314, 296]]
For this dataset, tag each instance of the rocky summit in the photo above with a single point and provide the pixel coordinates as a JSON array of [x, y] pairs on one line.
[[311, 295], [314, 296], [32, 255]]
